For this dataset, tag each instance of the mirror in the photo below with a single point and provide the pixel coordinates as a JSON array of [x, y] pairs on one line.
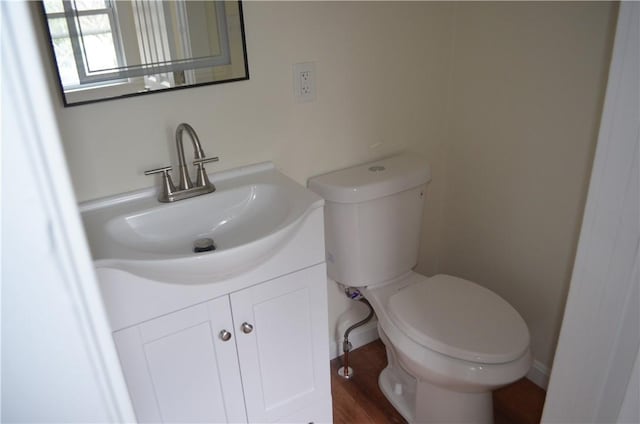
[[107, 49]]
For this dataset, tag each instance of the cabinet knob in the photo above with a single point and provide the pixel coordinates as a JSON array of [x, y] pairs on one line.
[[246, 328], [225, 336]]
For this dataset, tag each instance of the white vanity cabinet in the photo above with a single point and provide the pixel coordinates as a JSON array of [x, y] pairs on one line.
[[265, 285], [270, 365], [178, 369]]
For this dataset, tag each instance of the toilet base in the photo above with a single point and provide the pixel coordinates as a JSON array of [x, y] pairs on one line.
[[400, 390], [435, 404], [424, 402]]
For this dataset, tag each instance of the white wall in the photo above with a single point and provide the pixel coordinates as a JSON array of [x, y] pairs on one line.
[[526, 99], [502, 99]]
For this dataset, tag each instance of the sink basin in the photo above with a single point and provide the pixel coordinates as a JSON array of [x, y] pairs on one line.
[[252, 213], [233, 218]]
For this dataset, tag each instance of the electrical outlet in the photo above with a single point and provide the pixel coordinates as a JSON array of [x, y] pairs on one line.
[[304, 84]]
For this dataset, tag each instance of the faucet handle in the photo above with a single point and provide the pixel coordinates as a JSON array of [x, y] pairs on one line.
[[202, 161], [164, 169], [202, 180], [168, 189]]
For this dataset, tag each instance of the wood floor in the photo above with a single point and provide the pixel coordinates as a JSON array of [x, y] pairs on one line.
[[359, 400]]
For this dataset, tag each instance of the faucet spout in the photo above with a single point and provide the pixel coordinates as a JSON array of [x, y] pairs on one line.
[[185, 181]]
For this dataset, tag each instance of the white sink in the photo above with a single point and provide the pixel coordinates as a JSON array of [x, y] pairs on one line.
[[253, 212]]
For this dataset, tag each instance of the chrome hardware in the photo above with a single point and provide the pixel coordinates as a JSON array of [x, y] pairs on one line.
[[345, 371], [205, 160], [225, 336], [164, 169], [186, 188], [185, 180], [203, 245], [201, 176], [246, 328], [168, 189]]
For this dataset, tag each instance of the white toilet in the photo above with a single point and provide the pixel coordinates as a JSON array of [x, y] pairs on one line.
[[449, 341]]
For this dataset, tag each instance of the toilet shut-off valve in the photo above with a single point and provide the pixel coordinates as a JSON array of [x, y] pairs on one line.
[[345, 371]]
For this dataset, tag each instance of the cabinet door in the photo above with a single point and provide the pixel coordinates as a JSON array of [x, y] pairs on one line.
[[285, 356], [179, 369]]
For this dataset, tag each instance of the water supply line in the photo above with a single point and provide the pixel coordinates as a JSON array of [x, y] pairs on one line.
[[345, 371]]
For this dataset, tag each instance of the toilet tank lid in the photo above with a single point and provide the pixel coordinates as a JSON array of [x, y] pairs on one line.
[[372, 180]]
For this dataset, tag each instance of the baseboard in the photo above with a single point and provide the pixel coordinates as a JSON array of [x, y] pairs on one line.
[[539, 374], [358, 337]]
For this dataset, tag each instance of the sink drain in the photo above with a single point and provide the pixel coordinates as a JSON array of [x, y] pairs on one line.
[[203, 245]]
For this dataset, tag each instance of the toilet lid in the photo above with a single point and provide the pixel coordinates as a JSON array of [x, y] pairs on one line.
[[460, 319]]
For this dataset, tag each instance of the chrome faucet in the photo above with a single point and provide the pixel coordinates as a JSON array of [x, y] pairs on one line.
[[186, 188]]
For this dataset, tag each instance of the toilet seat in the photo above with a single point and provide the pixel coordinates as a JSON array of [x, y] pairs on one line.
[[459, 318]]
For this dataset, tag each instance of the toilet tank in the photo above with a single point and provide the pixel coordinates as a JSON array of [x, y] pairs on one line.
[[373, 215]]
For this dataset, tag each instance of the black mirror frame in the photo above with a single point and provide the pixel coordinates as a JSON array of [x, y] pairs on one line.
[[54, 62]]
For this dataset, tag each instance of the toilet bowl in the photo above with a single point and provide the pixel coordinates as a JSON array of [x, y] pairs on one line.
[[454, 347], [449, 341]]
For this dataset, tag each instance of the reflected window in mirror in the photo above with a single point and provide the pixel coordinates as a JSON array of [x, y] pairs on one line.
[[85, 39], [105, 49]]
